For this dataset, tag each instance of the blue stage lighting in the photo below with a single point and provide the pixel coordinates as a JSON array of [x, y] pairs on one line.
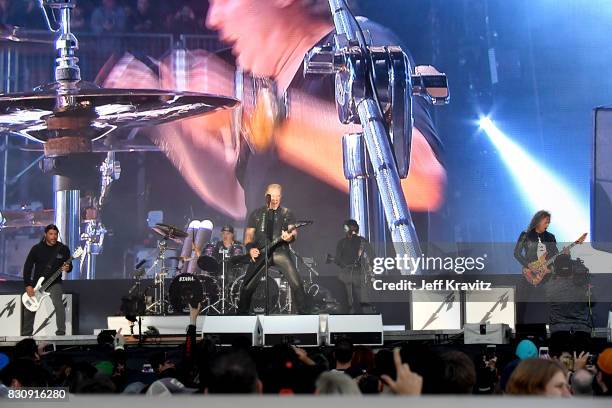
[[540, 187]]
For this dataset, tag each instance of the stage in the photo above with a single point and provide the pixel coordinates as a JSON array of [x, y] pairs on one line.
[[391, 337], [95, 300]]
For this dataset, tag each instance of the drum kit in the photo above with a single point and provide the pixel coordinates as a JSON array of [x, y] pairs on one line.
[[215, 284]]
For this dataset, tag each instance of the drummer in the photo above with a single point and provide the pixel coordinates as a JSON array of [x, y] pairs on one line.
[[227, 243]]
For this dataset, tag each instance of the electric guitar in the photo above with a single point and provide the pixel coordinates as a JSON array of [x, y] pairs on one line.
[[40, 290], [537, 270], [272, 244]]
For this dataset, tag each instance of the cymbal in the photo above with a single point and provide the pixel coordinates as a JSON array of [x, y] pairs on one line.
[[17, 35], [26, 218], [170, 232], [69, 120]]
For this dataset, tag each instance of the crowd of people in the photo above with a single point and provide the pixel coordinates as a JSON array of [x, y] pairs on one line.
[[202, 367], [115, 16]]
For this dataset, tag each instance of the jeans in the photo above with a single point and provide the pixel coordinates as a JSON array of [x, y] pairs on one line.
[[283, 260], [56, 294]]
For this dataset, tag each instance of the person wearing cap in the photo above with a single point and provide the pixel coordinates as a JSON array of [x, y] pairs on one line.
[[228, 244], [227, 238], [604, 373]]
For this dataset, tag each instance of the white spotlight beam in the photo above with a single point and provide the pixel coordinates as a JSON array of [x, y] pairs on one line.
[[540, 187]]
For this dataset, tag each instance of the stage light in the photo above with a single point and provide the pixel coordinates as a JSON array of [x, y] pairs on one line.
[[539, 186]]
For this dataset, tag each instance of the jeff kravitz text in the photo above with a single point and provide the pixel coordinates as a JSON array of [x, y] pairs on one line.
[[438, 284]]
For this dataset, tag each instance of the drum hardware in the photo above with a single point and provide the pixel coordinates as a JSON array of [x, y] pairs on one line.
[[133, 305], [225, 257], [16, 35], [311, 287], [159, 305], [170, 232], [228, 257], [94, 239], [217, 261], [67, 116]]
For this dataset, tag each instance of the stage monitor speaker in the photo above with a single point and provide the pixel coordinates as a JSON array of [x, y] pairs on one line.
[[364, 330], [601, 181], [299, 330], [44, 321], [535, 332], [10, 315], [224, 330], [496, 305], [436, 310], [475, 333]]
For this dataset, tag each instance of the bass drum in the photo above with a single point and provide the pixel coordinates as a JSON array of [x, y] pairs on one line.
[[187, 289], [258, 301]]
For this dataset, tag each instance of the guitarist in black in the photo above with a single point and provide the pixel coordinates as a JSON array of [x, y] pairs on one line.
[[536, 240], [45, 258], [354, 255], [264, 225]]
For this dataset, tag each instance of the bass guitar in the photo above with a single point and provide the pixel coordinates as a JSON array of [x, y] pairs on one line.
[[32, 303]]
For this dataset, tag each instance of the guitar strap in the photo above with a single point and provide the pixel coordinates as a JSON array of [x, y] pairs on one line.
[[50, 263]]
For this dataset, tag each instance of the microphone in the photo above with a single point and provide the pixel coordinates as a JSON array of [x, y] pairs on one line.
[[268, 199], [139, 264]]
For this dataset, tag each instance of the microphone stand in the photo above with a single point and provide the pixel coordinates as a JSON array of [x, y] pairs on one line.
[[266, 272]]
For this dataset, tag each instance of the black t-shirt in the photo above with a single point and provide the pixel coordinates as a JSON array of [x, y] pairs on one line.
[[526, 249], [307, 196], [348, 251], [269, 224], [39, 259]]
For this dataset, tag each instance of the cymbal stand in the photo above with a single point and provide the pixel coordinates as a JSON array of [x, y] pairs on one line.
[[159, 306], [225, 257], [313, 287]]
